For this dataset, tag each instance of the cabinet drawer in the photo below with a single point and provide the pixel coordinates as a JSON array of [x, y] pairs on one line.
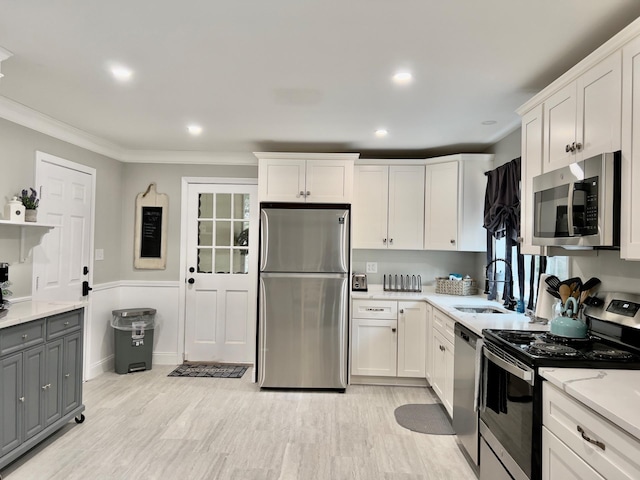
[[380, 309], [563, 416], [444, 324], [16, 338], [62, 324]]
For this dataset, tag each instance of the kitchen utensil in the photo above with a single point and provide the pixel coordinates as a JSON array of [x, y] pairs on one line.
[[553, 293], [567, 326], [565, 292], [553, 281], [591, 283]]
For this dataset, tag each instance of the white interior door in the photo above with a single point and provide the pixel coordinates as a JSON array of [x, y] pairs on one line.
[[61, 260], [221, 289]]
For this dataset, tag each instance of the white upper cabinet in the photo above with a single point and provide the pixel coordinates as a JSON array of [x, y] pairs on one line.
[[630, 214], [454, 202], [583, 118], [388, 206], [301, 177], [530, 166]]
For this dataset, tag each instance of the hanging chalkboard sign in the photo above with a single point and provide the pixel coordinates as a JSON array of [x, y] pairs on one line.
[[151, 232], [150, 242]]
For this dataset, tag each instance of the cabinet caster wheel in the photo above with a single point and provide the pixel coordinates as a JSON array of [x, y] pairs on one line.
[[79, 419]]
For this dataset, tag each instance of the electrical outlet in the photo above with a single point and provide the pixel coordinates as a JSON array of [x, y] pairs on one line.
[[99, 254], [372, 267]]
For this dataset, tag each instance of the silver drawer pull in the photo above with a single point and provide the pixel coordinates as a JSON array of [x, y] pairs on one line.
[[21, 399], [590, 440], [24, 337], [371, 309], [67, 375], [48, 385], [66, 324]]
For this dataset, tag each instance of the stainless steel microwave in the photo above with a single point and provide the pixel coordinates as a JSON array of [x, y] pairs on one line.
[[579, 205]]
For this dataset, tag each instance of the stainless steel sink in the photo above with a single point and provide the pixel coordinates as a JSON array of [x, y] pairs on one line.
[[478, 309]]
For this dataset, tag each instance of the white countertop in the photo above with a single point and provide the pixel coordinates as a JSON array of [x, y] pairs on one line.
[[23, 312], [614, 394], [475, 322]]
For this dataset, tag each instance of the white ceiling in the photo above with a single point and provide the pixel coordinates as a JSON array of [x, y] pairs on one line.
[[292, 75]]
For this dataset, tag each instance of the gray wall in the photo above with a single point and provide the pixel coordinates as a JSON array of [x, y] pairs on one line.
[[18, 147], [168, 179], [506, 149]]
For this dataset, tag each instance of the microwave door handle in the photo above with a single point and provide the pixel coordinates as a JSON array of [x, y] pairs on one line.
[[572, 186]]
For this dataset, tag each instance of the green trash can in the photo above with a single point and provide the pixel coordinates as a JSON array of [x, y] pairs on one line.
[[133, 337]]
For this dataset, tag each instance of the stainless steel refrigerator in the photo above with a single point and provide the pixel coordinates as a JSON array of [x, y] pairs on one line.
[[303, 296]]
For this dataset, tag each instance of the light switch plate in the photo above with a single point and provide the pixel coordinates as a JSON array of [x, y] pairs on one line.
[[372, 267]]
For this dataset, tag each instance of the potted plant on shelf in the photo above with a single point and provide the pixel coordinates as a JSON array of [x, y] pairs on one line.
[[30, 201]]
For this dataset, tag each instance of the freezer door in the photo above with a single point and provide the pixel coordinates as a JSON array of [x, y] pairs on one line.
[[304, 240], [303, 331]]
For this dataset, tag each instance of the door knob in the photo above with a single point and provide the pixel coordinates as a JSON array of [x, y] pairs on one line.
[[191, 269], [384, 241], [301, 194], [391, 241], [191, 281], [393, 330], [402, 310]]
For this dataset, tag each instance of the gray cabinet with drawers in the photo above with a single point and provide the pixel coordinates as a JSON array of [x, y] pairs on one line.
[[40, 380]]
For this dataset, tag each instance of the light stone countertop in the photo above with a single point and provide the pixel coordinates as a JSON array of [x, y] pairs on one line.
[[24, 312], [614, 394], [475, 322]]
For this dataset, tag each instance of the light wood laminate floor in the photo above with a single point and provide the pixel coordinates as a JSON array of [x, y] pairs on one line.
[[150, 426]]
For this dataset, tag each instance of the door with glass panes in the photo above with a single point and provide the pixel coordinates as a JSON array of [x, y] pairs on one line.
[[222, 248]]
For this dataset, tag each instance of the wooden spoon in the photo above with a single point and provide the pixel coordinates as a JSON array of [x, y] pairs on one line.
[[565, 293]]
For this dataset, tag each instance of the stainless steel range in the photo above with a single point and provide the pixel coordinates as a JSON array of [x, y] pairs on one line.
[[511, 421]]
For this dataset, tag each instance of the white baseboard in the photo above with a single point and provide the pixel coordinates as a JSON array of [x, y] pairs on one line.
[[105, 365], [166, 358]]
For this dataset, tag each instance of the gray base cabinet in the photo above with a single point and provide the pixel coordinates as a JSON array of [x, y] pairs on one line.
[[40, 381]]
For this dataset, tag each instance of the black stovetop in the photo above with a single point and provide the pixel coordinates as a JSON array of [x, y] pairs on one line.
[[542, 349]]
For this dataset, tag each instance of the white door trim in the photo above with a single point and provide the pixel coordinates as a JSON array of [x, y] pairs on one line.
[[186, 181], [43, 157]]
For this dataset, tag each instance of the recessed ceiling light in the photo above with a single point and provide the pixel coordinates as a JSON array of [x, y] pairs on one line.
[[121, 73], [402, 78], [489, 122], [381, 132], [194, 129]]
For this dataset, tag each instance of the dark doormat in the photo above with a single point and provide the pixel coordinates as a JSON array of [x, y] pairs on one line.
[[429, 418], [209, 370]]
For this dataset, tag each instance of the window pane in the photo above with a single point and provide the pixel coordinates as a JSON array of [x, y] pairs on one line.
[[204, 260], [205, 233], [223, 205], [223, 260], [241, 205], [241, 234], [223, 234], [205, 205], [241, 260]]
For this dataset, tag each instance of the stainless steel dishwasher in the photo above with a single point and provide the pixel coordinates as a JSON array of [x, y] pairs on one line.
[[465, 418]]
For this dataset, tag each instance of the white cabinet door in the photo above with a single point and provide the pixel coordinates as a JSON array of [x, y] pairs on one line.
[[429, 344], [406, 207], [441, 206], [530, 166], [439, 365], [374, 346], [412, 323], [281, 180], [560, 462], [370, 206], [599, 108], [560, 116], [630, 215], [329, 181], [448, 380]]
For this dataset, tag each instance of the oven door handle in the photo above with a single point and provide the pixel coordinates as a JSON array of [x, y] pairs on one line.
[[525, 375]]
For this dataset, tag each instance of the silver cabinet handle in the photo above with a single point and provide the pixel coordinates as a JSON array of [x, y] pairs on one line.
[[384, 240], [66, 324], [308, 194], [402, 310], [578, 146], [453, 242], [567, 148], [24, 337], [393, 330], [590, 440], [391, 241], [67, 375], [48, 385], [21, 399], [301, 194]]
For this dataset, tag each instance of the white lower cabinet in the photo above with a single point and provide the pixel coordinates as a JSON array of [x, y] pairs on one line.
[[442, 352], [388, 338], [579, 443]]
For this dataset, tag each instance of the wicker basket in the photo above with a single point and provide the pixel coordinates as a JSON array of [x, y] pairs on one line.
[[466, 286]]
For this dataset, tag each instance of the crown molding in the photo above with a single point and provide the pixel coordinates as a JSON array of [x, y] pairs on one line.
[[189, 157], [305, 156], [27, 117]]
